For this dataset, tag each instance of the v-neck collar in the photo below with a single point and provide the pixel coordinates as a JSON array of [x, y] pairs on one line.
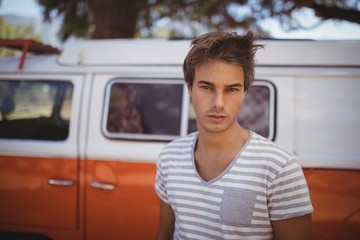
[[215, 179]]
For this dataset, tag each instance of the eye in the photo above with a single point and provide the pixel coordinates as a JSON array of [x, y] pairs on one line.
[[232, 89], [205, 87]]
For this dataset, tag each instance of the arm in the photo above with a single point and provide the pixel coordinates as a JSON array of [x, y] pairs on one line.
[[167, 222], [297, 228]]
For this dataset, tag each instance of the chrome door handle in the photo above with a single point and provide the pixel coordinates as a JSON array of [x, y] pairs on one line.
[[106, 186], [58, 182]]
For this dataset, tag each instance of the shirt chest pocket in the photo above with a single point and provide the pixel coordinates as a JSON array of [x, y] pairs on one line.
[[237, 206]]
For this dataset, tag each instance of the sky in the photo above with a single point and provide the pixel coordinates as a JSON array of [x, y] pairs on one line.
[[28, 8], [329, 30]]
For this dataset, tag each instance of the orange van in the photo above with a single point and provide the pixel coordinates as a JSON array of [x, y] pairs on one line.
[[81, 129]]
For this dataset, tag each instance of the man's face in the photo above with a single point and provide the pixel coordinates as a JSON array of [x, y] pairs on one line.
[[217, 94]]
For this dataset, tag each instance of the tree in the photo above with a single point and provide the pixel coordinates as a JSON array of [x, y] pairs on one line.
[[9, 31], [129, 18]]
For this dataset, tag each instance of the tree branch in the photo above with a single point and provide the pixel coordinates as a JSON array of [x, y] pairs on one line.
[[326, 12]]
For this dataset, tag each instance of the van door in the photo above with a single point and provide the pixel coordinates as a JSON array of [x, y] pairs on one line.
[[131, 119], [38, 150]]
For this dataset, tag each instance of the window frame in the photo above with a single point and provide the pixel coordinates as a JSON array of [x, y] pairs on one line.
[[272, 105], [141, 136], [68, 148], [55, 110], [185, 105]]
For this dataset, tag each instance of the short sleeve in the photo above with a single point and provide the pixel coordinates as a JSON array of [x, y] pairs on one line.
[[289, 194], [160, 180]]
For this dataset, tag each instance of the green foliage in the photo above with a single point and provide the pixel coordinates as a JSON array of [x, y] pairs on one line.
[[8, 31], [75, 14], [187, 18]]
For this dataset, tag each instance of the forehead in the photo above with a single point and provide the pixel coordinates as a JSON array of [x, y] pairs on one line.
[[219, 71]]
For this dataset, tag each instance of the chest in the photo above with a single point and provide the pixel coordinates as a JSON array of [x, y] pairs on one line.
[[220, 204], [211, 167]]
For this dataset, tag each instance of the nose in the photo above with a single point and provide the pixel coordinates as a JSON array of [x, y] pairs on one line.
[[218, 103]]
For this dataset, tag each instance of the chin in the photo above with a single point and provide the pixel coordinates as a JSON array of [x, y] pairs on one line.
[[215, 129]]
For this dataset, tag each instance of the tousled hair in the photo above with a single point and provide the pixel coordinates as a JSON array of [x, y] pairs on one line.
[[225, 47]]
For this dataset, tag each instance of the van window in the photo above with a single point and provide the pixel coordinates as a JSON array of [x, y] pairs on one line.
[[143, 109], [37, 110], [257, 112]]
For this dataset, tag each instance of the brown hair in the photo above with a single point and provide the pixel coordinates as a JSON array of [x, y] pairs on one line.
[[226, 47]]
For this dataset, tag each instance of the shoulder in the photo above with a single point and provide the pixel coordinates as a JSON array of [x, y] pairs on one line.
[[265, 149], [263, 144], [180, 145]]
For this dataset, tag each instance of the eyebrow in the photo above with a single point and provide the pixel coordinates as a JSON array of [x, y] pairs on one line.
[[205, 82], [234, 85], [227, 86]]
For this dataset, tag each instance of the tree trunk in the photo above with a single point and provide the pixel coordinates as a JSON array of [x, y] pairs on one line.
[[114, 18]]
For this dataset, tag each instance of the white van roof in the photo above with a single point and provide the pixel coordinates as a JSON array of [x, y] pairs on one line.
[[103, 55], [124, 52], [172, 52]]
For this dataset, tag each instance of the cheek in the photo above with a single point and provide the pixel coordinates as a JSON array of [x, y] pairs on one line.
[[242, 99], [194, 102], [237, 105], [198, 104]]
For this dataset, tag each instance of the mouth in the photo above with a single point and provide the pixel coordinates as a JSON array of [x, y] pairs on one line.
[[216, 117]]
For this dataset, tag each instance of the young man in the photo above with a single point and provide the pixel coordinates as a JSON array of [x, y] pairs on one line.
[[224, 181]]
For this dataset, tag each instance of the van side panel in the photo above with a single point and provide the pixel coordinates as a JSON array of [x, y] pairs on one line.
[[28, 199], [318, 116], [129, 210], [121, 202], [335, 195], [327, 117], [41, 185]]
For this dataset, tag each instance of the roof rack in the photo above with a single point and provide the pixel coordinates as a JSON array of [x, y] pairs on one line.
[[26, 46]]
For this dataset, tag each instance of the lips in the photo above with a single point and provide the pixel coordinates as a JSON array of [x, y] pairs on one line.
[[216, 117]]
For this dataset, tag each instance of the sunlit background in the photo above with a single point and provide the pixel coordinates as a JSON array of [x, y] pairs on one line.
[[89, 121], [30, 13]]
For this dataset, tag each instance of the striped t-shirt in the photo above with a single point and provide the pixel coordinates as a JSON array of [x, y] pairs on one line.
[[262, 183]]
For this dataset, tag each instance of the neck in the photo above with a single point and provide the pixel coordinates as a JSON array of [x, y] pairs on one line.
[[222, 141]]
